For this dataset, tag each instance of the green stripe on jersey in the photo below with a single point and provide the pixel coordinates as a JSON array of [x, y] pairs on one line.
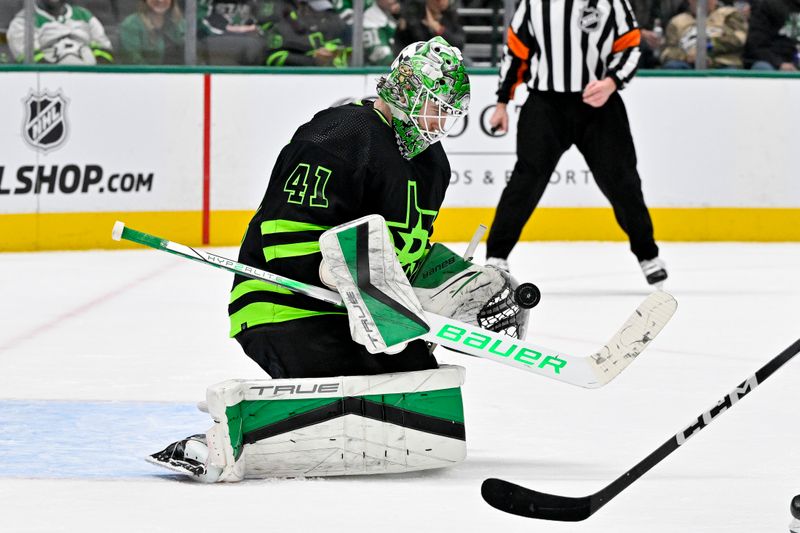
[[382, 117], [98, 52], [259, 313], [295, 249], [81, 13], [287, 226], [253, 285]]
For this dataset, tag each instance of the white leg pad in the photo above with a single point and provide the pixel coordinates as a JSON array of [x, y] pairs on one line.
[[387, 423]]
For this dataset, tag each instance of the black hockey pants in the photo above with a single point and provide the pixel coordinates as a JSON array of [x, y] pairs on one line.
[[549, 124], [321, 346]]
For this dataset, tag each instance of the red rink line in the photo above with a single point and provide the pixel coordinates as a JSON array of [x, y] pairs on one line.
[[81, 309], [206, 158]]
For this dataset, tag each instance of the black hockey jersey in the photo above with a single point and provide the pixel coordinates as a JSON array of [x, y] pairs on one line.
[[342, 165]]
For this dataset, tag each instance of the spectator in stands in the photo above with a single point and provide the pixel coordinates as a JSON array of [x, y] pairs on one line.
[[726, 30], [308, 33], [8, 9], [229, 31], [743, 6], [63, 34], [424, 20], [154, 35], [380, 25], [774, 39], [652, 15], [345, 9]]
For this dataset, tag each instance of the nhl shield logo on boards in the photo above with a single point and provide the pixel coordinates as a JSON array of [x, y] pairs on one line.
[[45, 126], [589, 19]]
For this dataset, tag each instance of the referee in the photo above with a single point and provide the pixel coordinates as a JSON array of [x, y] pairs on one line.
[[573, 55]]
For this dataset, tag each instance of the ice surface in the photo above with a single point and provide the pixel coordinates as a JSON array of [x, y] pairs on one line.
[[104, 354]]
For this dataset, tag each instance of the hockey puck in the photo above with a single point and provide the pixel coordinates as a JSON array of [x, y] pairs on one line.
[[795, 507], [527, 295]]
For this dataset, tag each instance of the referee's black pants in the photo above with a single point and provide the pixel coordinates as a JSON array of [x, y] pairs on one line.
[[549, 124]]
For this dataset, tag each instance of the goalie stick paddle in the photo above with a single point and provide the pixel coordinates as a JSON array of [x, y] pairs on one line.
[[521, 501], [590, 371]]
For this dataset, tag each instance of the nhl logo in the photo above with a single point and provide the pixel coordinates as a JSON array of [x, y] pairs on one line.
[[589, 20], [45, 126]]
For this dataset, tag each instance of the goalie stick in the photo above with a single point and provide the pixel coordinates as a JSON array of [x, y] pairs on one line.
[[591, 371], [521, 501]]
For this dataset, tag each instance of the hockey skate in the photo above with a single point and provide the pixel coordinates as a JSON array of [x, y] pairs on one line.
[[187, 456], [655, 271]]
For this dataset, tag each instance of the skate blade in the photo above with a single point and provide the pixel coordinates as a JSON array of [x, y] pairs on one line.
[[169, 466]]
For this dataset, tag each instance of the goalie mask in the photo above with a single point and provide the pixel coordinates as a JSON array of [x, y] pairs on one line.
[[427, 92]]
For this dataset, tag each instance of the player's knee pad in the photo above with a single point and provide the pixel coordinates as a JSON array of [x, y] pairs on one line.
[[386, 423]]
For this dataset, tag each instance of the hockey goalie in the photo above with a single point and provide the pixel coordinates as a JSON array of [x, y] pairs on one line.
[[351, 203], [383, 415]]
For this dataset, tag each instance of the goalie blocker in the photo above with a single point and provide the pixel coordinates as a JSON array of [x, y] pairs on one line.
[[359, 261], [385, 311], [386, 423]]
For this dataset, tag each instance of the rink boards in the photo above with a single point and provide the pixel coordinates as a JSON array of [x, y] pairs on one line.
[[188, 156]]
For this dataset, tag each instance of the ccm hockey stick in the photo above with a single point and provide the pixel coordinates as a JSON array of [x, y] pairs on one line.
[[591, 371], [520, 501]]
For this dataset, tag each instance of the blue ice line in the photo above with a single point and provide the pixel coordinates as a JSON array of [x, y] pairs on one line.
[[90, 440]]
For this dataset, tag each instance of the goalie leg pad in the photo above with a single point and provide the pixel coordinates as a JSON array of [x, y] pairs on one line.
[[386, 423]]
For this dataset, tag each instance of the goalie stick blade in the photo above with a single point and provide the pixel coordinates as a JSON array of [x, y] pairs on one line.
[[589, 371], [633, 337], [520, 501]]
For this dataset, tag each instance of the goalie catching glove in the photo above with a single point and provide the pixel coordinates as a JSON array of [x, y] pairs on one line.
[[483, 296]]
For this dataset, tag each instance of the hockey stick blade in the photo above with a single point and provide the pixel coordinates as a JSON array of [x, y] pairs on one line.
[[588, 371], [633, 337], [521, 501]]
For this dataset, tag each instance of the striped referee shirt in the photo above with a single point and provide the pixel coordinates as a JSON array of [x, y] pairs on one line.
[[562, 45]]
